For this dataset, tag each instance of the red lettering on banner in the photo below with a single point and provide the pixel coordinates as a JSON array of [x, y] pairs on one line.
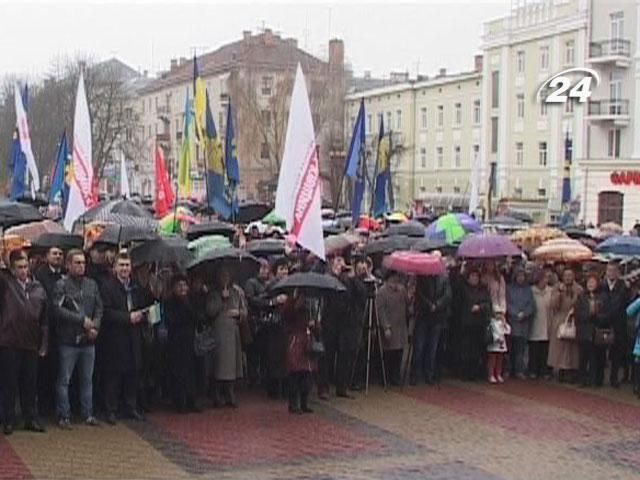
[[625, 177], [306, 192]]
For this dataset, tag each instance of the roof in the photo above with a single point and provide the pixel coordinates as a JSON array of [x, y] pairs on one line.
[[263, 51]]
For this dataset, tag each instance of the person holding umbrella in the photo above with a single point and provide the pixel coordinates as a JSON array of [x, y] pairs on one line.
[[226, 305], [275, 338], [391, 300]]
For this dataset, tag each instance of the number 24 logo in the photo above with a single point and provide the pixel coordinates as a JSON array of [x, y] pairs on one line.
[[563, 89]]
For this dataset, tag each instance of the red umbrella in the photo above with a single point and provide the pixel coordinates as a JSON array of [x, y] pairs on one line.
[[416, 263]]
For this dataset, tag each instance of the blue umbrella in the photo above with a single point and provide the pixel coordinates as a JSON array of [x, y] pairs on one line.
[[621, 245]]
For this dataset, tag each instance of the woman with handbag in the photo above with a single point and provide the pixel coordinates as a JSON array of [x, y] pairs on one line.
[[589, 318], [563, 348]]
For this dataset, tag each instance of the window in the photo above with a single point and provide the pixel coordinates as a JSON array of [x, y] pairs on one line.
[[494, 134], [264, 150], [220, 123], [266, 118], [440, 116], [569, 52], [520, 105], [267, 85], [610, 207], [613, 143], [476, 151], [520, 62], [517, 192], [495, 89], [543, 109], [156, 102], [544, 58], [456, 156], [423, 117], [568, 106], [143, 107], [476, 112], [398, 119], [177, 125], [542, 154], [542, 192], [519, 154], [438, 189], [369, 124], [456, 189], [617, 31], [458, 113], [423, 157], [615, 91], [439, 157], [352, 122], [149, 131], [388, 124]]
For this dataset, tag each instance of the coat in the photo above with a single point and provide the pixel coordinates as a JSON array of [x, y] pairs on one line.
[[120, 341], [436, 292], [227, 356], [74, 299], [520, 299], [470, 338], [497, 291], [563, 354], [589, 315], [296, 321], [181, 319], [343, 313], [615, 302], [392, 313], [539, 331]]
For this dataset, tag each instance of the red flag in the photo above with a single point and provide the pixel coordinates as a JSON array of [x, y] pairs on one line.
[[164, 194]]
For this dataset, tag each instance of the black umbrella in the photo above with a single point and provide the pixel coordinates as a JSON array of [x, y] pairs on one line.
[[505, 220], [522, 216], [123, 234], [242, 264], [318, 282], [577, 233], [252, 211], [16, 213], [141, 223], [409, 229], [64, 241], [429, 245], [390, 244], [164, 251], [265, 248], [121, 207], [210, 228], [333, 230]]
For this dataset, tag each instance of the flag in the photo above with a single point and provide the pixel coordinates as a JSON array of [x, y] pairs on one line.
[[382, 173], [124, 180], [198, 101], [566, 218], [81, 189], [356, 145], [474, 195], [230, 156], [56, 191], [358, 189], [164, 194], [184, 163], [17, 168], [392, 199], [217, 193], [298, 193], [25, 139]]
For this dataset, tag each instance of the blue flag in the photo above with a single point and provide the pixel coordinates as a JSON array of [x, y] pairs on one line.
[[358, 192], [58, 176], [230, 155], [216, 188], [17, 169], [383, 173], [357, 143]]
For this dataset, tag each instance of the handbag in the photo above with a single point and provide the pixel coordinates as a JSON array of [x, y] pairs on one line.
[[567, 329], [204, 340], [604, 337]]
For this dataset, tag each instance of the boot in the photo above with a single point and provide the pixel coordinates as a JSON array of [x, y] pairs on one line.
[[304, 407]]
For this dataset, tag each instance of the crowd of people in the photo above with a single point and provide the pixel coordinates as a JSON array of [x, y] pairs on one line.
[[86, 333]]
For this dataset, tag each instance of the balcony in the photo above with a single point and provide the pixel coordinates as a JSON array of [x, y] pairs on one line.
[[163, 138], [616, 111], [615, 51], [163, 112]]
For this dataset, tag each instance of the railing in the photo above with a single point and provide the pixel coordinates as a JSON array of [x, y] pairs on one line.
[[608, 107], [606, 48]]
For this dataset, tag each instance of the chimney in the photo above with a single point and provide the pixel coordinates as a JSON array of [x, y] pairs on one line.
[[267, 37], [442, 73], [292, 42], [174, 64], [183, 60], [246, 34], [336, 53], [367, 74], [477, 62]]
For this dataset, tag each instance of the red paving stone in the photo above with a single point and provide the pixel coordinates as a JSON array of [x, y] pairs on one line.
[[11, 466], [263, 431], [504, 413]]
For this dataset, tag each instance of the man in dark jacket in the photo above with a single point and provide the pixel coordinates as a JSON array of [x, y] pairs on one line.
[[121, 338], [615, 299], [433, 306], [23, 337], [78, 309], [260, 304]]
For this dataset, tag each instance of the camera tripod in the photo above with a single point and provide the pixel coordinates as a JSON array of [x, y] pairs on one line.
[[373, 328]]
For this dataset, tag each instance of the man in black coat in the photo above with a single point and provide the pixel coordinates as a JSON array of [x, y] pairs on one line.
[[121, 338], [615, 299]]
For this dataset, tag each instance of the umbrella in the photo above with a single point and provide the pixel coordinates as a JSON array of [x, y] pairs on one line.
[[522, 216], [122, 234], [318, 282], [562, 250], [10, 243], [535, 236], [165, 250], [266, 247], [121, 207], [448, 227], [197, 230], [337, 243], [611, 228], [241, 263], [140, 223], [410, 229], [272, 219], [16, 213], [172, 223], [415, 263], [205, 244], [577, 233], [251, 211], [368, 223], [506, 221], [621, 245], [33, 230], [427, 245], [396, 217], [487, 246], [331, 230], [389, 244], [64, 241]]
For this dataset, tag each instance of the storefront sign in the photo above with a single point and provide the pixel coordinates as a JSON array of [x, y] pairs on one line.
[[625, 177]]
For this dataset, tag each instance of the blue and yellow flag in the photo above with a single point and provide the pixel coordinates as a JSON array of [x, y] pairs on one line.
[[217, 195], [356, 145], [198, 101], [230, 155], [184, 162], [56, 191], [383, 173]]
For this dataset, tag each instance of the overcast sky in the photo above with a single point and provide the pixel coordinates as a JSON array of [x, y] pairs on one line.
[[380, 37]]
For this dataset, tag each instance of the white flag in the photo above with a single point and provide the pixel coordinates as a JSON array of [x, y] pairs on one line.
[[298, 194], [124, 180], [474, 196], [81, 189], [25, 140]]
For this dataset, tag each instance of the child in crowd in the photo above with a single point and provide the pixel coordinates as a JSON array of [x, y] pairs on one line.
[[498, 330]]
